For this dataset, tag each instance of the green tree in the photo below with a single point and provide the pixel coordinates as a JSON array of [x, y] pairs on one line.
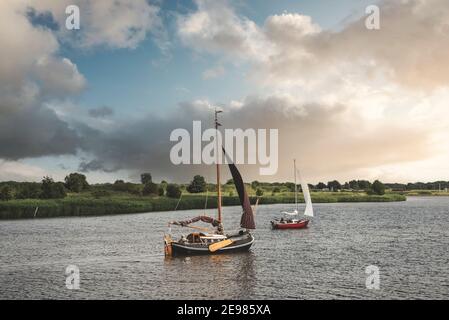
[[354, 185], [321, 186], [150, 189], [378, 188], [29, 190], [146, 178], [52, 190], [364, 185], [76, 182], [334, 185], [161, 191], [276, 190], [173, 191], [230, 181], [197, 185], [255, 184], [259, 192], [6, 193]]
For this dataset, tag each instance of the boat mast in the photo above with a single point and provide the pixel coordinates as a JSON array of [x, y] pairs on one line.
[[296, 187], [218, 165]]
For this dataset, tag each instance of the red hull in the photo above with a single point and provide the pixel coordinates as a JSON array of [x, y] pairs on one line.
[[292, 225]]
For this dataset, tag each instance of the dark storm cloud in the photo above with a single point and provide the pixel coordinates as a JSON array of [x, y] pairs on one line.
[[35, 132], [95, 165], [321, 137], [101, 112]]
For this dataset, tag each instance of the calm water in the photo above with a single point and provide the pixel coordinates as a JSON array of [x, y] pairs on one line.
[[122, 256]]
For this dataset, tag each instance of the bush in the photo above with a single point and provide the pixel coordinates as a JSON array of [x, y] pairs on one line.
[[173, 191], [29, 190], [160, 191], [100, 193], [378, 188], [122, 186], [52, 190], [197, 185], [150, 189], [259, 192]]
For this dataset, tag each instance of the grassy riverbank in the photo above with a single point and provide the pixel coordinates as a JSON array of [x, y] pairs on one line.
[[85, 204]]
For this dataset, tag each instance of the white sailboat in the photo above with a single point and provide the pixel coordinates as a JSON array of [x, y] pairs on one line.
[[296, 223]]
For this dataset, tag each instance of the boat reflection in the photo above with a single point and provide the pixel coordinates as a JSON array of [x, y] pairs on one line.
[[224, 276]]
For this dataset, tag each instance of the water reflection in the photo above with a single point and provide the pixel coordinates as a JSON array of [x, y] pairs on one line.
[[221, 276]]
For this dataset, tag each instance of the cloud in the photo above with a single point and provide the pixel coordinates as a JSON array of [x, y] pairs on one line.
[[101, 112], [31, 72], [35, 132], [324, 138], [36, 81], [410, 49], [95, 165], [114, 24], [215, 27]]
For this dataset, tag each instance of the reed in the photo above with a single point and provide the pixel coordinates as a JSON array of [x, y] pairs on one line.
[[122, 203]]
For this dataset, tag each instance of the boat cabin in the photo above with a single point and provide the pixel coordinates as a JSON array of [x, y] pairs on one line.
[[206, 238]]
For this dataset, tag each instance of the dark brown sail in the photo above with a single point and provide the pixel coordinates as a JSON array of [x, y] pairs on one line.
[[247, 220]]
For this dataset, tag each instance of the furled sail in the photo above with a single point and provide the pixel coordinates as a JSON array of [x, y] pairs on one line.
[[247, 220], [206, 219]]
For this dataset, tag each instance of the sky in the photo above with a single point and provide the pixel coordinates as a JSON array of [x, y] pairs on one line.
[[349, 102]]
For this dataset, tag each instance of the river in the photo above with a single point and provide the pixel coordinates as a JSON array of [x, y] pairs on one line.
[[121, 256]]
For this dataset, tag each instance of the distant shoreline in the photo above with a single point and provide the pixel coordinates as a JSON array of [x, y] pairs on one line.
[[81, 206]]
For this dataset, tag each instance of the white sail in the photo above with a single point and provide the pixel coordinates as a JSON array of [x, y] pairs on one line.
[[307, 198]]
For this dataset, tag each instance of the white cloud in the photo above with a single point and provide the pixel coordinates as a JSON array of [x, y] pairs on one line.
[[393, 83], [29, 63], [216, 28]]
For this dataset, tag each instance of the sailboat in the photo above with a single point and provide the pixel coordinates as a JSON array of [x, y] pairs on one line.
[[292, 223], [215, 241]]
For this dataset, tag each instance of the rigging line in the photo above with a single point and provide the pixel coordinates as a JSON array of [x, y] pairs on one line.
[[179, 200]]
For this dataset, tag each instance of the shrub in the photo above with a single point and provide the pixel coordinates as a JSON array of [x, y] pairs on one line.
[[122, 186], [150, 189], [173, 191], [100, 193], [161, 191], [29, 190], [259, 192]]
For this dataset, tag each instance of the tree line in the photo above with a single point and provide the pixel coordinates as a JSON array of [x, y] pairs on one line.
[[77, 182]]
